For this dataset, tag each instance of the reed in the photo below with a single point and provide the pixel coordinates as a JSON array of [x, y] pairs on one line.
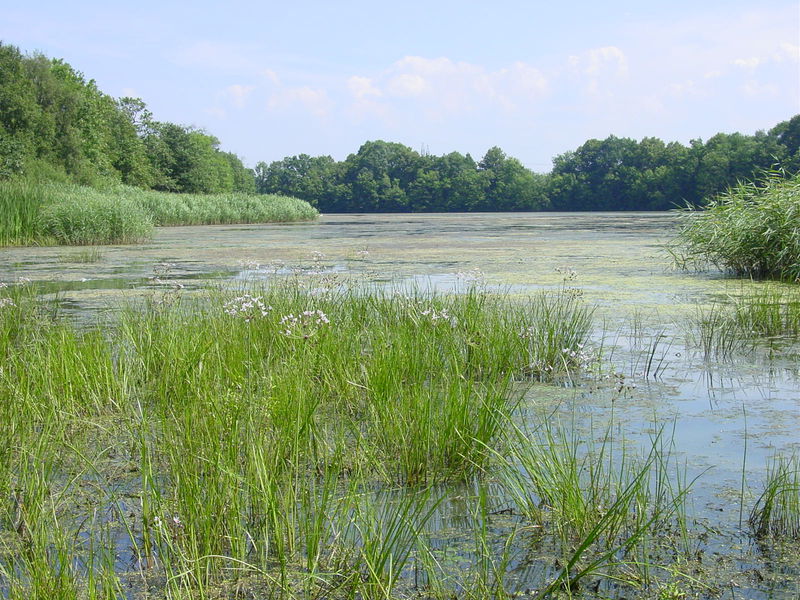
[[63, 213], [20, 203], [750, 230], [776, 513]]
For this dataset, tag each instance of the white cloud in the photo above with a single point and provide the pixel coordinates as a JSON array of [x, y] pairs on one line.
[[756, 89], [212, 55], [362, 87], [747, 63], [237, 94], [444, 87], [787, 51], [600, 69], [271, 76], [314, 101]]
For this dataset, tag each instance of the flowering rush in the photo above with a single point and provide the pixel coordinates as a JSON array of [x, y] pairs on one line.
[[304, 324], [247, 307]]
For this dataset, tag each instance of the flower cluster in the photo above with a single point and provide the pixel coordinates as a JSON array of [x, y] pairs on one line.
[[568, 273], [304, 324], [582, 357], [363, 253], [247, 307], [6, 302], [439, 316]]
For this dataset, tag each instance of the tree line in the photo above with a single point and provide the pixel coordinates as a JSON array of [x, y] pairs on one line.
[[54, 124], [610, 174]]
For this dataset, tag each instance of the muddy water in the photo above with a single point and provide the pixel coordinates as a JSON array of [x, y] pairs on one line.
[[726, 417]]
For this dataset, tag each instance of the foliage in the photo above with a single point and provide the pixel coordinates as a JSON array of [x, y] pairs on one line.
[[390, 177], [69, 214], [53, 119], [749, 230]]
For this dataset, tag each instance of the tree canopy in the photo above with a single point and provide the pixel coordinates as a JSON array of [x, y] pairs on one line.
[[54, 124]]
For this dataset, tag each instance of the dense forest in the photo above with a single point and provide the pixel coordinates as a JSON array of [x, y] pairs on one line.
[[56, 125], [611, 174]]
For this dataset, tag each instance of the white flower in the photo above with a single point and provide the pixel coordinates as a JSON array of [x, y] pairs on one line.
[[247, 307]]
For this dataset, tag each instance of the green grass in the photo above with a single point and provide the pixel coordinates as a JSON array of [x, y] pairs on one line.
[[740, 321], [274, 442], [751, 230], [777, 511], [62, 213], [20, 203]]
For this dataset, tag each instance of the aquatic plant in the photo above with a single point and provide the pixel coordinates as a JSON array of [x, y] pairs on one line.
[[750, 230], [20, 203], [69, 214], [777, 510], [739, 321]]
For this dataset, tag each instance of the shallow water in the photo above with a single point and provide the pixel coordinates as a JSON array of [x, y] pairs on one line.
[[726, 417]]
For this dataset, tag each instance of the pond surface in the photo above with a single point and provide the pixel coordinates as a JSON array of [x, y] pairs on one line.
[[727, 417]]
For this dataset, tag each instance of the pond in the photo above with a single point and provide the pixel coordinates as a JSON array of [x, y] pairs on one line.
[[725, 416]]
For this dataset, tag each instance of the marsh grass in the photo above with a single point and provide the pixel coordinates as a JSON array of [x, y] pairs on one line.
[[286, 443], [777, 511], [20, 203], [84, 256], [740, 321], [219, 209], [605, 506], [68, 214], [751, 230]]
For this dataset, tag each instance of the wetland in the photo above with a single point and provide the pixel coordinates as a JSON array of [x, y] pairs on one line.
[[410, 406]]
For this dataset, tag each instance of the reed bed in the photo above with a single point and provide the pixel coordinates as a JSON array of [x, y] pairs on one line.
[[60, 213], [751, 230]]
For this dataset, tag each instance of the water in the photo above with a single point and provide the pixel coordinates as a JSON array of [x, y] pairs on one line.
[[713, 409]]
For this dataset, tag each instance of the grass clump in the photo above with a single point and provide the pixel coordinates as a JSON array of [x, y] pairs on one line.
[[751, 230], [738, 322], [777, 511], [82, 216]]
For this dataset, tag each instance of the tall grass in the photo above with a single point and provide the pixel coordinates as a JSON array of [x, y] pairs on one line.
[[750, 230], [275, 437], [278, 442], [20, 203], [218, 209], [777, 511], [62, 213]]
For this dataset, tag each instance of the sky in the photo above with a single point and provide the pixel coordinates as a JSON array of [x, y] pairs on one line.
[[274, 79]]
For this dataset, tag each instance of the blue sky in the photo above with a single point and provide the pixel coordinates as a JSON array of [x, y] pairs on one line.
[[272, 79]]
